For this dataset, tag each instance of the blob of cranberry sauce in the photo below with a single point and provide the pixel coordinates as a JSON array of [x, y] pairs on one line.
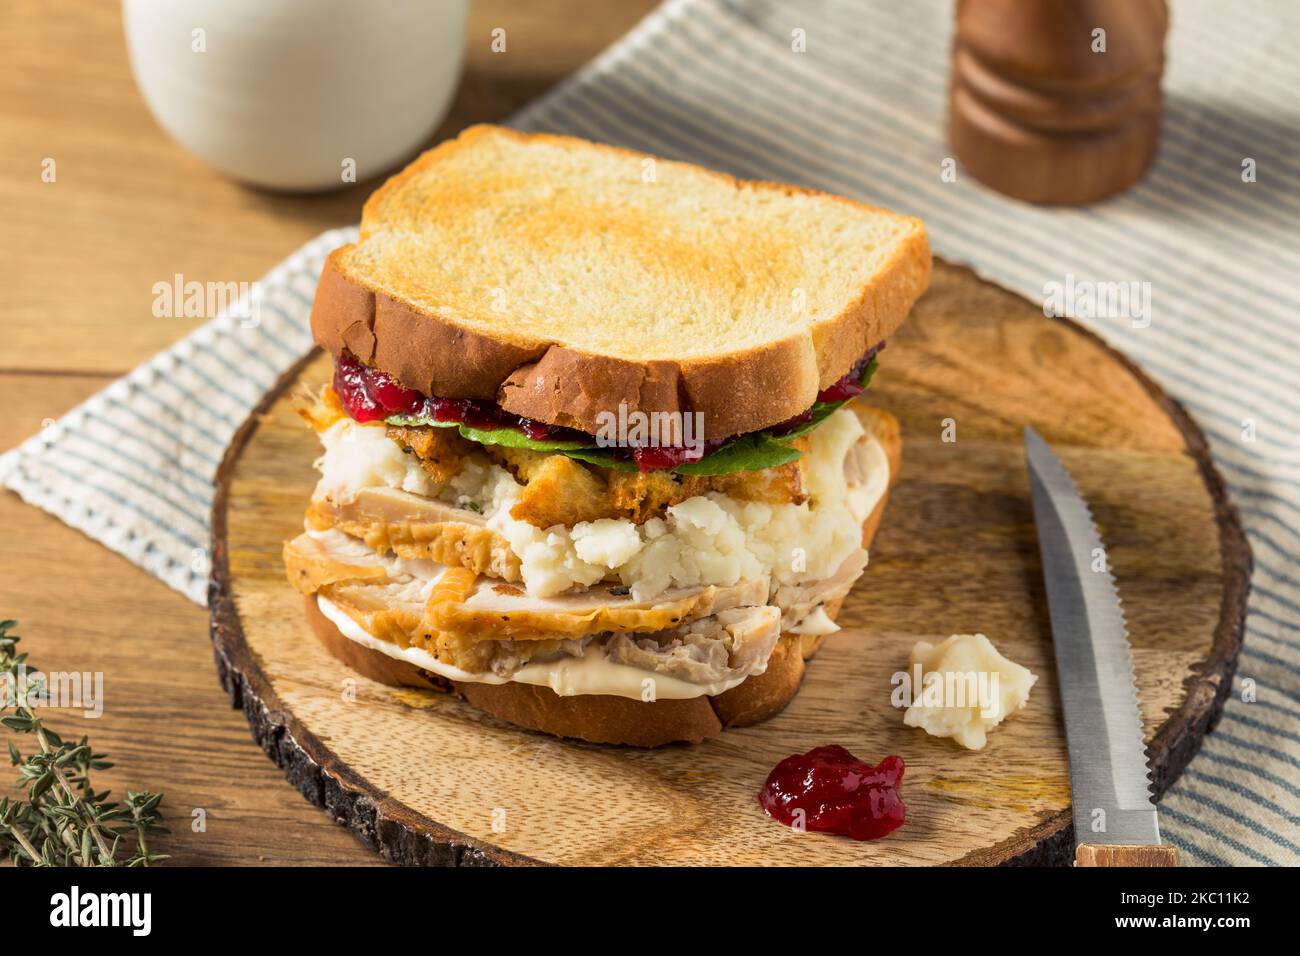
[[837, 793]]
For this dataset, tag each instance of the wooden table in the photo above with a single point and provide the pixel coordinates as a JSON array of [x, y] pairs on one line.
[[78, 262]]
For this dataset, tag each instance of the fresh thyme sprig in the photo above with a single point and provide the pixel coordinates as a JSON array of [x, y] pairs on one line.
[[64, 821]]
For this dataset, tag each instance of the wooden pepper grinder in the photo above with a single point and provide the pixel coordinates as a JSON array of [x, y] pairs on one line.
[[1057, 101]]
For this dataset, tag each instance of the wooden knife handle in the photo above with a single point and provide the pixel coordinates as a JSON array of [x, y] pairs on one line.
[[1101, 854]]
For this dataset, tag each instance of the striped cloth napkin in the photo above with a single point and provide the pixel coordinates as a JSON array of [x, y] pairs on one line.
[[134, 466], [861, 112]]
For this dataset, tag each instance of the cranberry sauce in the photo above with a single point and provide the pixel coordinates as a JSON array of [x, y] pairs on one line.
[[370, 395], [831, 791], [660, 457]]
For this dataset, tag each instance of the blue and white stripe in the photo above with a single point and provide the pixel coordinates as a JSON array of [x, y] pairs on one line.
[[861, 112]]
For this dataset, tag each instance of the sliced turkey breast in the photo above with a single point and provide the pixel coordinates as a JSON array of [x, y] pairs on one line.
[[494, 610], [733, 643], [413, 526], [459, 608], [727, 646], [711, 653], [798, 601]]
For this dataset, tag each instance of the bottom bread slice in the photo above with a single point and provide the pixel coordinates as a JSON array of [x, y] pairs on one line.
[[608, 719]]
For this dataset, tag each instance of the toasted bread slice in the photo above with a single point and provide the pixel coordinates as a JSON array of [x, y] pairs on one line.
[[620, 720], [561, 277]]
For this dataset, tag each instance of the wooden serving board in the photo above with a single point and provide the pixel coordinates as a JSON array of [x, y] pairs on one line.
[[424, 778]]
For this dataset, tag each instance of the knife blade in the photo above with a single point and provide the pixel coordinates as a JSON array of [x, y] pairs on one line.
[[1110, 781]]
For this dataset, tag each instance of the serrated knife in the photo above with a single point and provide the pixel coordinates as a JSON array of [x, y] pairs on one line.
[[1110, 784]]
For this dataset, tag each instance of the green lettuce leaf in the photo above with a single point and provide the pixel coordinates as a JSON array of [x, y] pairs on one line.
[[507, 437], [763, 449], [752, 452], [603, 457]]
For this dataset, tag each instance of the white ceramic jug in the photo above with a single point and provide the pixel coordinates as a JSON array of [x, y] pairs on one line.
[[297, 94]]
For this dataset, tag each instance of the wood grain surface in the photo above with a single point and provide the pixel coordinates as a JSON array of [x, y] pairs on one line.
[[425, 778], [1094, 854], [78, 259]]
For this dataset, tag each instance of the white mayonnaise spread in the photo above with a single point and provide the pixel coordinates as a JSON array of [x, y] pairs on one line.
[[817, 622]]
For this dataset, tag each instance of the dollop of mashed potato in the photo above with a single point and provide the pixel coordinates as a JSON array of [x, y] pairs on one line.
[[363, 456], [968, 688]]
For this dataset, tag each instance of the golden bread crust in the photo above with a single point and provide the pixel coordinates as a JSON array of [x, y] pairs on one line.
[[561, 383]]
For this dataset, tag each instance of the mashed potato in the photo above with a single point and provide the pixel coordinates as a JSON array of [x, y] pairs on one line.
[[964, 688], [363, 456]]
